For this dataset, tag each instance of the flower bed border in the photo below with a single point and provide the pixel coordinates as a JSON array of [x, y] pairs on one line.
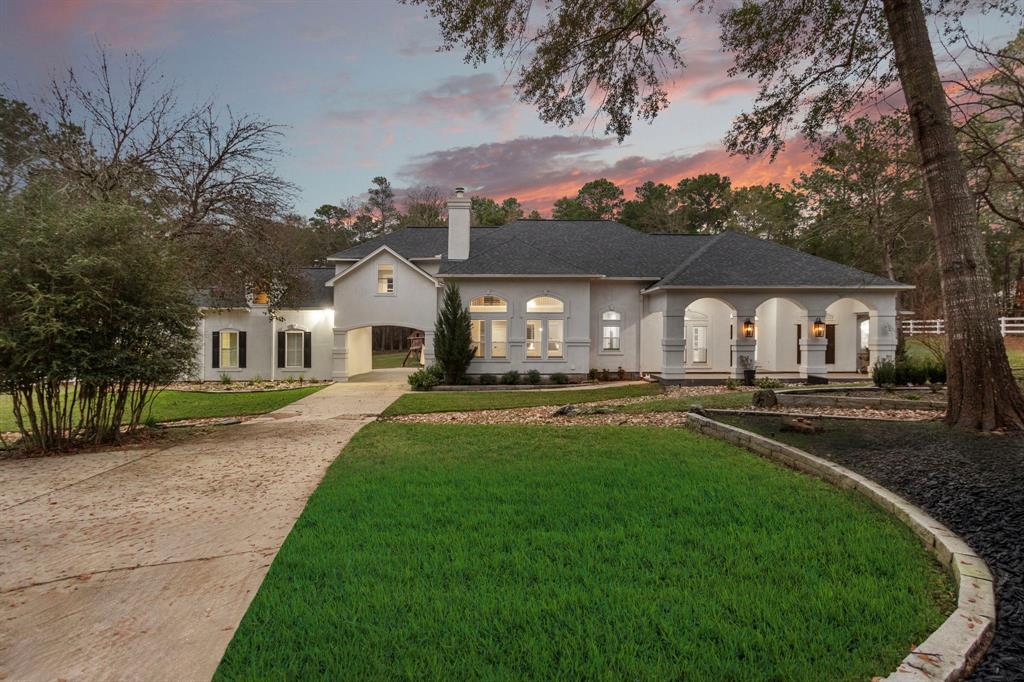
[[949, 653], [818, 397]]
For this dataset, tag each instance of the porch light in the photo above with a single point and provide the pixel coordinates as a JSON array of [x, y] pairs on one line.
[[818, 328], [748, 328]]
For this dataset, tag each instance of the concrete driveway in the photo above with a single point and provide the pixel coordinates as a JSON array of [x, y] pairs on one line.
[[139, 563]]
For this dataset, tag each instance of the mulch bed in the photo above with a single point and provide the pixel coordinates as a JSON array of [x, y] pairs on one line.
[[973, 483], [241, 386]]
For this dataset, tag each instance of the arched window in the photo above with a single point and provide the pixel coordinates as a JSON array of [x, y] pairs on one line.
[[488, 304], [611, 331], [489, 328], [545, 337], [544, 304]]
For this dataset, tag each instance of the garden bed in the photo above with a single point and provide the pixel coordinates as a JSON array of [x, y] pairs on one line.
[[242, 386], [971, 482]]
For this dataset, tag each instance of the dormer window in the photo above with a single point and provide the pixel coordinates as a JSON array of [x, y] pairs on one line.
[[385, 279]]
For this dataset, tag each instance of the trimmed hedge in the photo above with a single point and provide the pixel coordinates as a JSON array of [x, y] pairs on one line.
[[908, 372]]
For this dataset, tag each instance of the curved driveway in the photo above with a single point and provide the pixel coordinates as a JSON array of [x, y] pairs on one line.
[[139, 563]]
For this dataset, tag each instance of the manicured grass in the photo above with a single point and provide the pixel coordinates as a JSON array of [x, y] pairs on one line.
[[443, 401], [724, 400], [1014, 350], [390, 360], [508, 553], [175, 405]]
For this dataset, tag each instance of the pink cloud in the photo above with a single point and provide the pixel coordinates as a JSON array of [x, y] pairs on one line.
[[537, 171]]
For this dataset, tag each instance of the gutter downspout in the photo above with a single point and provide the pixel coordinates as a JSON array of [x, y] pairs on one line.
[[273, 349]]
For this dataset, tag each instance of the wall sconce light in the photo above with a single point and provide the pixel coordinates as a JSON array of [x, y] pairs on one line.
[[748, 328], [819, 328]]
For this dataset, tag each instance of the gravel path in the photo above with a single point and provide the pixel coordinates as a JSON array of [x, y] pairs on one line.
[[973, 483]]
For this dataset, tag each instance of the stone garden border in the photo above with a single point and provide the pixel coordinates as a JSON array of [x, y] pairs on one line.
[[818, 397], [950, 652]]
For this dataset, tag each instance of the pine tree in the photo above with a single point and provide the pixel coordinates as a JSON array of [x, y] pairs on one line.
[[453, 336]]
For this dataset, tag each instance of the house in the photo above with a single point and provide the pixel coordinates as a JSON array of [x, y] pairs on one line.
[[569, 296]]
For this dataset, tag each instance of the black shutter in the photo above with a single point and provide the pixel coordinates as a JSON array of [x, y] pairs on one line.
[[215, 344], [830, 348], [799, 350], [307, 349], [280, 349], [241, 350]]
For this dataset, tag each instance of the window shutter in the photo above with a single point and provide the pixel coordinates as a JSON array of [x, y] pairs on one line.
[[241, 350], [215, 361], [307, 349], [280, 349]]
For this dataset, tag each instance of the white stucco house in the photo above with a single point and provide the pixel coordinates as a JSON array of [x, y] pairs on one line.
[[568, 296]]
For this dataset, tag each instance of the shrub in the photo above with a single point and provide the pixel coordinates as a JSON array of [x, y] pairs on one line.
[[621, 373], [559, 378], [226, 379], [95, 314], [258, 379], [592, 374], [732, 384], [453, 340], [937, 372], [605, 376], [884, 373], [766, 383], [488, 380], [510, 378], [533, 377], [426, 378]]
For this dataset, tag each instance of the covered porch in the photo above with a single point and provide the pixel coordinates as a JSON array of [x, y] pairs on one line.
[[789, 335]]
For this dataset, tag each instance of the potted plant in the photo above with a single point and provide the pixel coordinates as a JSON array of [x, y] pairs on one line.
[[749, 370]]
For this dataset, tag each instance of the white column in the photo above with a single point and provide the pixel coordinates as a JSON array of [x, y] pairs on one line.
[[339, 357], [428, 347], [881, 336], [673, 343], [743, 348], [812, 348]]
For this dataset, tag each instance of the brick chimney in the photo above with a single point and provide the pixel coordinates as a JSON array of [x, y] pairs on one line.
[[458, 225]]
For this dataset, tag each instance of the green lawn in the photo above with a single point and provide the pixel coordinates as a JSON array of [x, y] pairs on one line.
[[390, 360], [533, 552], [1014, 350], [174, 405], [463, 401]]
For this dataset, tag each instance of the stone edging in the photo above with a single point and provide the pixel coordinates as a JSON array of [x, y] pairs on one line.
[[807, 415], [950, 652]]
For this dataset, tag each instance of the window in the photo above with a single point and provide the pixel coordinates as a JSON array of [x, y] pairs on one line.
[[293, 342], [533, 332], [229, 350], [555, 338], [488, 304], [499, 339], [476, 335], [385, 279], [611, 331], [544, 304], [699, 344]]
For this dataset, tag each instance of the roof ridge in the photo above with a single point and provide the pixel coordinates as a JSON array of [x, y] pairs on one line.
[[689, 259]]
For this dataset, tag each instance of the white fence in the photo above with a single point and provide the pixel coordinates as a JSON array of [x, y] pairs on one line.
[[1009, 326]]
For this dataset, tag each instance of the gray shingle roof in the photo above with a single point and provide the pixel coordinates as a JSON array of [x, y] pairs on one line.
[[732, 259], [605, 248], [411, 242]]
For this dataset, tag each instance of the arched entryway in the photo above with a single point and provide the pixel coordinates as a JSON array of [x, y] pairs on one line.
[[394, 346]]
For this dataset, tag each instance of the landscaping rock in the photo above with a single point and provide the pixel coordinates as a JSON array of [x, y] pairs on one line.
[[764, 398], [565, 411]]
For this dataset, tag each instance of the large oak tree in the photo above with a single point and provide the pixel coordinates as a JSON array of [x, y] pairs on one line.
[[815, 63]]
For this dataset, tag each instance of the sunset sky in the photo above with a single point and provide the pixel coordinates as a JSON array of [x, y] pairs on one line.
[[363, 93]]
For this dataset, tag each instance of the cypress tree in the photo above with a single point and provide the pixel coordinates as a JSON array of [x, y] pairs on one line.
[[453, 336]]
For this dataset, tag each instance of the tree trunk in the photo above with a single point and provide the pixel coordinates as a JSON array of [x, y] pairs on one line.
[[982, 393]]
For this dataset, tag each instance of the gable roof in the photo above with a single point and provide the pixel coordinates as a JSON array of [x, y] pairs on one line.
[[604, 248], [383, 248]]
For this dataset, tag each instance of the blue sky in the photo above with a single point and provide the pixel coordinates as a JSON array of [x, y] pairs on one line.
[[364, 92]]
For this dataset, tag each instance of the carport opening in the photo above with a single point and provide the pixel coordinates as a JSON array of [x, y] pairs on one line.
[[395, 346]]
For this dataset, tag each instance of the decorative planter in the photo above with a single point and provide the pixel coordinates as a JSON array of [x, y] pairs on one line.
[[749, 375]]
